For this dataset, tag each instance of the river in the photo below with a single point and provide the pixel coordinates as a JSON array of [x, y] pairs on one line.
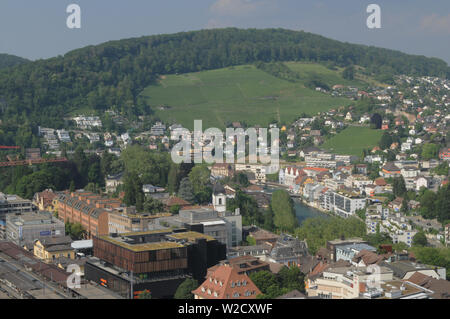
[[302, 211]]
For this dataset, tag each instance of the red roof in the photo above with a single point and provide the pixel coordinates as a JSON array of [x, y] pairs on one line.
[[317, 169], [226, 283]]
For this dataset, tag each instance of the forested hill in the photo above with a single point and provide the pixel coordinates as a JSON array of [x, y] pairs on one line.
[[7, 60], [114, 73]]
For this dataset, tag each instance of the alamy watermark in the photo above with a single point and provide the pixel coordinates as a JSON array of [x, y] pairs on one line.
[[208, 146], [374, 19]]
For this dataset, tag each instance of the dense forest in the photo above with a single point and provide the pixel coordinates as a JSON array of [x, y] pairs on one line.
[[8, 60], [113, 74]]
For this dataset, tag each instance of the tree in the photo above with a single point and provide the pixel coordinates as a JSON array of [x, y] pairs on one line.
[[399, 186], [420, 239], [172, 179], [200, 178], [376, 120], [152, 206], [385, 141], [72, 186], [185, 288], [186, 191], [430, 151], [75, 231], [349, 73], [283, 210], [264, 280], [291, 278]]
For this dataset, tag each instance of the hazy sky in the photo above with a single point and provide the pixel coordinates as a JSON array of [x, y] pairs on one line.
[[37, 28]]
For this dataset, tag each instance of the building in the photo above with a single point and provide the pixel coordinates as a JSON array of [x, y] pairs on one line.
[[447, 234], [347, 252], [344, 204], [52, 248], [89, 209], [343, 282], [332, 245], [11, 204], [404, 269], [226, 283], [158, 129], [390, 170], [25, 228], [222, 170], [262, 236], [157, 261], [112, 182], [126, 220], [288, 251], [203, 219], [244, 264], [45, 200]]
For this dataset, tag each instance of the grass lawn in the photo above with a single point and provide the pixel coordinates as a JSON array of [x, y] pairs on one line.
[[353, 140], [240, 93]]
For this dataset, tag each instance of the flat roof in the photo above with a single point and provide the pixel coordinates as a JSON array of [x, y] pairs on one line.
[[191, 236], [144, 246], [212, 223], [82, 244], [91, 291]]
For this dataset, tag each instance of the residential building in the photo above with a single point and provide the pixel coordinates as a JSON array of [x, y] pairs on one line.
[[112, 182], [287, 251], [45, 200], [244, 264], [344, 204], [347, 252], [225, 282]]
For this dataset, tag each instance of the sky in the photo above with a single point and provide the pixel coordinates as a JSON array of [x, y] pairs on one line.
[[37, 29]]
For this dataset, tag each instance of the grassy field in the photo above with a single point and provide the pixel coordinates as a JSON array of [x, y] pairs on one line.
[[241, 93], [353, 140]]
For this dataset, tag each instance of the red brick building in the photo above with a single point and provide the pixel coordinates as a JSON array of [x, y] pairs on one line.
[[88, 209]]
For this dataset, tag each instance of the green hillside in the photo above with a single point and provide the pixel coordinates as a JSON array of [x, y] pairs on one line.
[[8, 60], [112, 75], [353, 140], [241, 93]]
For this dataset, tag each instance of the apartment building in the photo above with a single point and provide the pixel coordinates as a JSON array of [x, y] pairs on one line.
[[341, 203]]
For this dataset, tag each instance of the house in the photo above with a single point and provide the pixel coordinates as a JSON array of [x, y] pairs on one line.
[[440, 287], [112, 182], [225, 282], [45, 200], [222, 170], [390, 170], [288, 250], [444, 154], [243, 264]]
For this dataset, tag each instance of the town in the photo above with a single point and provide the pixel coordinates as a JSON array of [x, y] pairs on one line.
[[138, 226]]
